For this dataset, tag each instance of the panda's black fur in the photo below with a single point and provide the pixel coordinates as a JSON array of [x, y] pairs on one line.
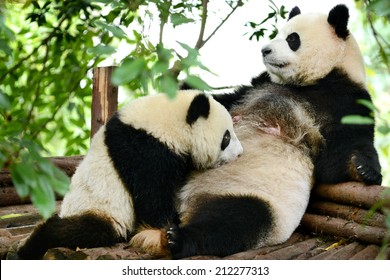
[[348, 146]]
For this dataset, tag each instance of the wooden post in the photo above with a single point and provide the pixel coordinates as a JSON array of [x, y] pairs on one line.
[[104, 97]]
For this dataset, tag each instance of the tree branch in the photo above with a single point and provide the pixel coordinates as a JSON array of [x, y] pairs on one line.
[[239, 4], [376, 35], [200, 41], [164, 19]]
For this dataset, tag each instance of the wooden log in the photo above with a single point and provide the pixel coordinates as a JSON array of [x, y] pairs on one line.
[[252, 254], [343, 252], [351, 193], [368, 253], [20, 220], [118, 251], [104, 97], [347, 212], [8, 194], [314, 251], [291, 251], [343, 228], [67, 164]]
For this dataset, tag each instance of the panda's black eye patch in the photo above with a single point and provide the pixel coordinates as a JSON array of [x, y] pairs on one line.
[[293, 40], [225, 140]]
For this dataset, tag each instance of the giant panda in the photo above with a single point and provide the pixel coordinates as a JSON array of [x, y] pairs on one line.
[[136, 164], [317, 58], [289, 123]]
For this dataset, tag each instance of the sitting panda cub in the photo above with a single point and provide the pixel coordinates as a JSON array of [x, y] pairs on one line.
[[288, 119], [136, 164]]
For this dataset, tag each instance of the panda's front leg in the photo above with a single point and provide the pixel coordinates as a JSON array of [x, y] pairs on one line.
[[364, 167], [221, 226]]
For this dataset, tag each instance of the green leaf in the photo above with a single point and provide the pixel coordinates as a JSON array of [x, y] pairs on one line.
[[5, 104], [383, 129], [42, 195], [113, 29], [380, 7], [4, 46], [357, 119], [169, 86], [197, 83], [22, 174], [368, 104], [178, 19], [60, 181], [102, 50], [128, 71]]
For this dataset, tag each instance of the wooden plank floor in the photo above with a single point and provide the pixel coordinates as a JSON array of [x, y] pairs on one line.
[[19, 220]]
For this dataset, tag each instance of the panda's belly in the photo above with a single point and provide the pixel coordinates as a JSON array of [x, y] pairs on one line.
[[269, 169], [96, 187]]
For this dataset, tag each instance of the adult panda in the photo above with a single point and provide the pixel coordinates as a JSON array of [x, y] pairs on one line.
[[315, 77], [318, 60], [135, 165]]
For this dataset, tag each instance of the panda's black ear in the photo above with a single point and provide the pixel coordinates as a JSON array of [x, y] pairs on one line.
[[294, 12], [200, 107], [338, 18]]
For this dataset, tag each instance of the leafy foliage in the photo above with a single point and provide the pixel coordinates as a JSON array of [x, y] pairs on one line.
[[260, 28]]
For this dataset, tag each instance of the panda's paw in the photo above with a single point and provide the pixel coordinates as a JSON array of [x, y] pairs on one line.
[[362, 171], [173, 238]]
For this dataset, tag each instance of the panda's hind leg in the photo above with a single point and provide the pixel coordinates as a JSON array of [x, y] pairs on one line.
[[84, 231], [221, 226]]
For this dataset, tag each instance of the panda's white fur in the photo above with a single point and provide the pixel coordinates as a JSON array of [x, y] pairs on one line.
[[136, 163], [272, 169], [321, 51], [96, 187]]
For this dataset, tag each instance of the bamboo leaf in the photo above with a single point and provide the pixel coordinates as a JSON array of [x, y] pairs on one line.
[[128, 71], [356, 119], [197, 83]]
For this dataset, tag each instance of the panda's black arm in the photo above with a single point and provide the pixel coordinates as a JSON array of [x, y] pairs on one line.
[[149, 170], [347, 156], [230, 99]]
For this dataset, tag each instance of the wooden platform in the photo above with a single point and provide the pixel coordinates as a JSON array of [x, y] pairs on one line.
[[337, 225]]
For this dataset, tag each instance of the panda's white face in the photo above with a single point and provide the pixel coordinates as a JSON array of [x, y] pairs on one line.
[[208, 137], [214, 141], [307, 48]]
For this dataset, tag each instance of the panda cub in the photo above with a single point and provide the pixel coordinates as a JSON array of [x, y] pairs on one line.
[[289, 123], [136, 164]]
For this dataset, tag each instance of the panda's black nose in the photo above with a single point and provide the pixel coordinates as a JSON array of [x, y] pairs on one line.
[[266, 51]]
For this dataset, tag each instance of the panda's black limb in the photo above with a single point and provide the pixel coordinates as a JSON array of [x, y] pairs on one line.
[[84, 231], [153, 185], [221, 226]]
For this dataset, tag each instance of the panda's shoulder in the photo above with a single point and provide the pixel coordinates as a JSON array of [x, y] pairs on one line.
[[339, 82], [261, 79]]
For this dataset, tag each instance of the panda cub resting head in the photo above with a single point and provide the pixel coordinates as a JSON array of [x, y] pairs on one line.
[[289, 123], [136, 164]]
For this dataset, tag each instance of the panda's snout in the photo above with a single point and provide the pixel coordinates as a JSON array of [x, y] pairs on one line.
[[266, 51]]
